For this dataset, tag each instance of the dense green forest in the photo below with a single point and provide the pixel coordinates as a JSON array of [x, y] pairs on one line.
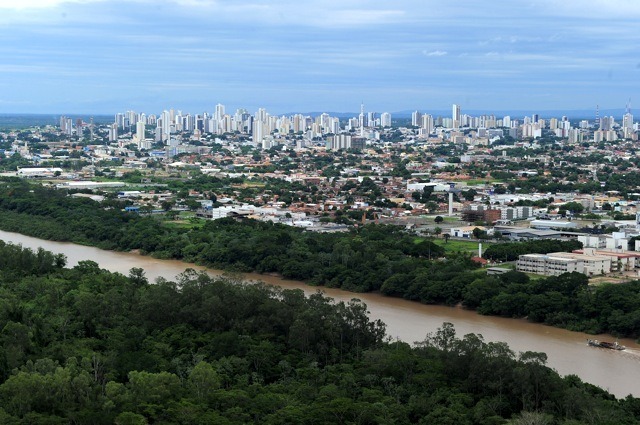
[[511, 251], [86, 346], [370, 258]]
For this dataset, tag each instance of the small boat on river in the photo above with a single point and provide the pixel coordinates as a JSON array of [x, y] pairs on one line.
[[605, 344]]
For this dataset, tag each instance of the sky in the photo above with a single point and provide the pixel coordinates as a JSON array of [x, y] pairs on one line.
[[107, 56]]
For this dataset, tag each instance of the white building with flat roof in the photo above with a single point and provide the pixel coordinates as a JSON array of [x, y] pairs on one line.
[[592, 264], [38, 172], [557, 263], [548, 265]]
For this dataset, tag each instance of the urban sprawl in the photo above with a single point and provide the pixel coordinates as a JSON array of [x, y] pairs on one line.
[[458, 177]]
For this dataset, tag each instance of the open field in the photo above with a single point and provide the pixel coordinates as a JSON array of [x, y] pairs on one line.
[[454, 245], [473, 182]]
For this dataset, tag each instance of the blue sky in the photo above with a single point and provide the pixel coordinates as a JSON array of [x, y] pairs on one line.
[[92, 56]]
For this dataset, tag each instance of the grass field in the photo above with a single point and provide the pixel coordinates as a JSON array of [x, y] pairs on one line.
[[187, 220], [474, 182], [457, 245]]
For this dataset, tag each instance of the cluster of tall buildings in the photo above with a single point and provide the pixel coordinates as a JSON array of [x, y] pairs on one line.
[[263, 127], [266, 129]]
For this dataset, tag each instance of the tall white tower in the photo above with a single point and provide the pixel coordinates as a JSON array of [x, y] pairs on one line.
[[455, 115], [219, 112], [140, 131], [361, 119]]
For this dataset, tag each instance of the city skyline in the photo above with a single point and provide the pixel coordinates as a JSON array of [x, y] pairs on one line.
[[96, 57]]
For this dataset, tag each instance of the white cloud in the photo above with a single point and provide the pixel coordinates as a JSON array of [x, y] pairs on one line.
[[435, 53], [596, 9], [319, 13], [40, 4]]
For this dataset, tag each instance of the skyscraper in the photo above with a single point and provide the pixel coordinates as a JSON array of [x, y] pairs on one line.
[[361, 122], [385, 119], [416, 118], [627, 120], [219, 112], [140, 131], [257, 132], [455, 116], [427, 123]]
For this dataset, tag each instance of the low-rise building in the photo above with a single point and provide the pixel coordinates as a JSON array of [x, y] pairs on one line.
[[592, 264], [548, 265], [464, 232], [557, 263], [621, 260]]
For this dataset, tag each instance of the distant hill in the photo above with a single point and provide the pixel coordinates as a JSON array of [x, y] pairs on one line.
[[18, 121], [515, 114]]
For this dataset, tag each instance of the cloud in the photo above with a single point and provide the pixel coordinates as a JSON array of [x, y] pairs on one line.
[[596, 9], [40, 4], [434, 53]]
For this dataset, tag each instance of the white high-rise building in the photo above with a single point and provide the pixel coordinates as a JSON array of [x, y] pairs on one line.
[[385, 119], [257, 132], [140, 127], [261, 115], [455, 115], [113, 132], [416, 118], [341, 141], [119, 120], [371, 119], [219, 112], [166, 122], [627, 121], [427, 123]]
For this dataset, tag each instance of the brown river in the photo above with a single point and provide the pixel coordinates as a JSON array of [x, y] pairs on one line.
[[616, 371]]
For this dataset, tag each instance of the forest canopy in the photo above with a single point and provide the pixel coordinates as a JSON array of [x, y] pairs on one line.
[[84, 345]]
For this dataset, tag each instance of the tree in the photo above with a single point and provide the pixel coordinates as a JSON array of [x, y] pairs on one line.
[[446, 237], [438, 219], [130, 418], [469, 195], [478, 233]]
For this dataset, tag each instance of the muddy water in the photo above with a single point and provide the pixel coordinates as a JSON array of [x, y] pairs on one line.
[[618, 372]]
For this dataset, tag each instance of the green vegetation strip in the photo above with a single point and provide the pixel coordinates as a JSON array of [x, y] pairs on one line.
[[86, 346], [370, 258]]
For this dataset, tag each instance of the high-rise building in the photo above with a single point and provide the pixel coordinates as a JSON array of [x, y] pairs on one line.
[[455, 115], [385, 119], [371, 119], [140, 127], [219, 112], [165, 123], [113, 132], [119, 120], [257, 132], [427, 123], [627, 121], [341, 141], [261, 115], [416, 118]]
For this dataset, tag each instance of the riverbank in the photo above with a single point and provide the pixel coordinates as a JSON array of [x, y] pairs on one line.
[[618, 372], [371, 258]]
